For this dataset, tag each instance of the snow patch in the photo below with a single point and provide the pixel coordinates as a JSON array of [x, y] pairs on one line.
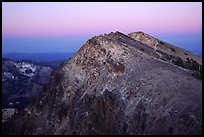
[[7, 75], [23, 67]]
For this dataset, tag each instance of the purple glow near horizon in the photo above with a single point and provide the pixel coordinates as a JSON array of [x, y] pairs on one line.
[[51, 23], [68, 19]]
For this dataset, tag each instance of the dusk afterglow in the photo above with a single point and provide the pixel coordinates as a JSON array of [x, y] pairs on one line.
[[66, 20]]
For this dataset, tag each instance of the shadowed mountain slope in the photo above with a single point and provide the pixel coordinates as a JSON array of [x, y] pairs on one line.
[[115, 84]]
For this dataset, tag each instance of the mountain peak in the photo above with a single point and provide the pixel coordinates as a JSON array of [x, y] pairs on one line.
[[144, 38], [115, 84], [139, 32]]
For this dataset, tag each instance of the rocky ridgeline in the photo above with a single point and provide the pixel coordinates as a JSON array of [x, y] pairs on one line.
[[171, 53], [144, 38], [115, 85]]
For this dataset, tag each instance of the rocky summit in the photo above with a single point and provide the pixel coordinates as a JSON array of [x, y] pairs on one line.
[[119, 84]]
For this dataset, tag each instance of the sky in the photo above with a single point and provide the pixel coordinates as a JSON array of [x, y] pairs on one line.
[[66, 26]]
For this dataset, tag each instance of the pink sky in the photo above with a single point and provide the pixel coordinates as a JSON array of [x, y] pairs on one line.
[[78, 19]]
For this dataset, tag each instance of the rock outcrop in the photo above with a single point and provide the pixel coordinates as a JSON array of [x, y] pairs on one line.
[[115, 84]]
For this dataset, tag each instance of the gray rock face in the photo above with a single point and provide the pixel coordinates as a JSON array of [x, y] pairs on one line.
[[115, 85]]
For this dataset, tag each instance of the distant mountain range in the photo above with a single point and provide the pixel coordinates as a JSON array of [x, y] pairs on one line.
[[22, 81], [39, 57]]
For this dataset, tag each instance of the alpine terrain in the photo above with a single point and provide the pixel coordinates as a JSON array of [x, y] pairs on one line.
[[22, 81], [119, 84]]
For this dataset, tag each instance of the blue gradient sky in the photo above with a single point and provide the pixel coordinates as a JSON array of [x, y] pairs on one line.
[[65, 27]]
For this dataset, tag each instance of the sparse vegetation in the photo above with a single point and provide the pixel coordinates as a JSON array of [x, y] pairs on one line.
[[172, 49], [161, 42], [197, 75], [178, 61], [142, 49], [192, 64], [185, 53]]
